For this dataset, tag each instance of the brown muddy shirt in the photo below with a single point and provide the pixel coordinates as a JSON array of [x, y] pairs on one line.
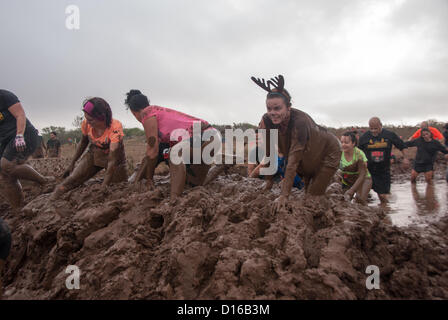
[[309, 145]]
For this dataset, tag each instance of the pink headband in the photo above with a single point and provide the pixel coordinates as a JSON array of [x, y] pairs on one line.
[[88, 108]]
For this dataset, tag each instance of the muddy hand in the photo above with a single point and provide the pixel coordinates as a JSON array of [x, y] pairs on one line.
[[279, 204], [348, 196], [268, 185]]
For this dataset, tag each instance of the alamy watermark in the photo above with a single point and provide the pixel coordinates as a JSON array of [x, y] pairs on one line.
[[72, 282], [212, 152], [73, 19], [373, 281]]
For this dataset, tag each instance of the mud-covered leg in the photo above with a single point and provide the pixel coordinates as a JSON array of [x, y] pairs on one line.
[[178, 177], [120, 174], [83, 172], [12, 191], [414, 175], [22, 171], [320, 182], [363, 192]]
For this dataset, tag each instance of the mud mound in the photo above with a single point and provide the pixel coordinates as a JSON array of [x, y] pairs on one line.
[[217, 242]]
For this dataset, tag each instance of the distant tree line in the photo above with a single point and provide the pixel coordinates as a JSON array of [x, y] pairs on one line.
[[405, 131]]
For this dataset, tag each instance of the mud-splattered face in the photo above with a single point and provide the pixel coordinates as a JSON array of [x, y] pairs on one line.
[[347, 144], [95, 123], [277, 110], [375, 128], [427, 136]]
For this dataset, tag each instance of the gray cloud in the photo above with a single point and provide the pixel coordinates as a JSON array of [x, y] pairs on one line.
[[343, 60]]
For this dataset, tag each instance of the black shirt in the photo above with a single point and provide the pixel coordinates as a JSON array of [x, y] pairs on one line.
[[426, 151], [378, 149], [53, 144], [8, 123]]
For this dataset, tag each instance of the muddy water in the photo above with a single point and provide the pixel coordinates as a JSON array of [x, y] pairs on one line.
[[417, 204]]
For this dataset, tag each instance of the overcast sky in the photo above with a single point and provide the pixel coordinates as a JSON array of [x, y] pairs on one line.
[[343, 61]]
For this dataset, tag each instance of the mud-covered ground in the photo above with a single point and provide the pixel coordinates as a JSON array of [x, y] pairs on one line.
[[217, 242]]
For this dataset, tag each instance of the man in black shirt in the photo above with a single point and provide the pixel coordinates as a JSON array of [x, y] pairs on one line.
[[53, 146], [377, 145], [18, 140], [427, 149]]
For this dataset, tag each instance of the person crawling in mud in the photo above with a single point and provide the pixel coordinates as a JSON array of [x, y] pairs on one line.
[[311, 151], [18, 141], [159, 123], [355, 177], [5, 247], [427, 149], [377, 146], [104, 137]]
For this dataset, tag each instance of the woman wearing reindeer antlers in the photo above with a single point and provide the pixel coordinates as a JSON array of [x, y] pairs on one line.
[[311, 151]]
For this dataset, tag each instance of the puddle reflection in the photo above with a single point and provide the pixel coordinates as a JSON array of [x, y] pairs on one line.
[[415, 203]]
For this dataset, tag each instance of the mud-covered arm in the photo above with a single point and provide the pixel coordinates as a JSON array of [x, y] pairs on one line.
[[269, 178], [299, 137], [362, 169], [112, 162], [441, 147], [80, 149], [294, 159], [152, 147]]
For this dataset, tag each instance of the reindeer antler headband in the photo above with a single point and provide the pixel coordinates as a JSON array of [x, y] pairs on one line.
[[278, 84]]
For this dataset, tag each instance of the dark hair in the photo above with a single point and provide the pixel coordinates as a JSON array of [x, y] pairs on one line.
[[101, 109], [135, 100], [445, 126], [54, 132], [284, 95], [352, 136]]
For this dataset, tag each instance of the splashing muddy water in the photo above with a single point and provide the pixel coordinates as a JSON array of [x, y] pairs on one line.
[[415, 204]]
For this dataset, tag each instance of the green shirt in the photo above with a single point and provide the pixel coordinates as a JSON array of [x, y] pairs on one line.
[[344, 165]]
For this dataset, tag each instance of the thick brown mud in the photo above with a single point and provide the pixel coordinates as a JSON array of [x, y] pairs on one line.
[[217, 242]]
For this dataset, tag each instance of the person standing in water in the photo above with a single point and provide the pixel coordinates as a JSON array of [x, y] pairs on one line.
[[356, 177], [160, 124], [104, 136], [18, 140], [427, 149], [310, 150], [436, 134], [377, 146]]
